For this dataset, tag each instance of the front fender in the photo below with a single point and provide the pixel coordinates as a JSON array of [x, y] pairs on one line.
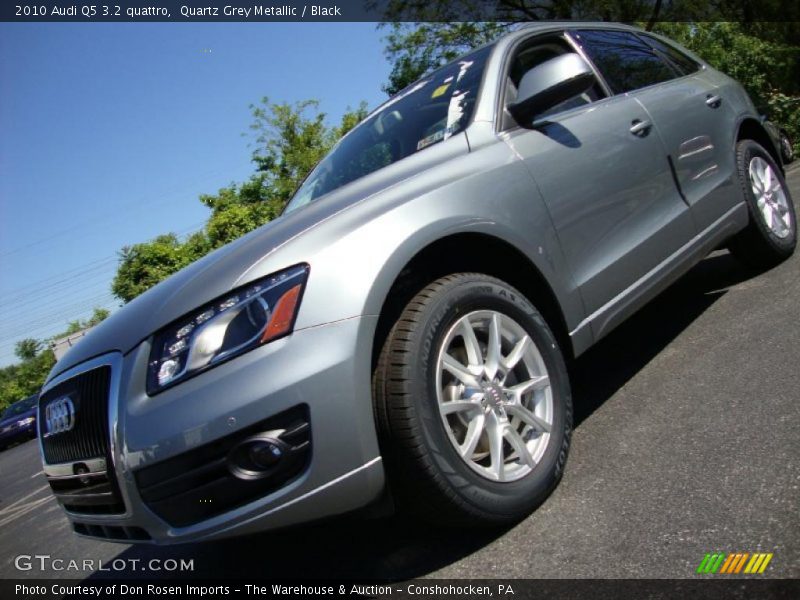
[[356, 257]]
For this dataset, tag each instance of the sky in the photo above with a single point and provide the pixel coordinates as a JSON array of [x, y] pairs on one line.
[[110, 132]]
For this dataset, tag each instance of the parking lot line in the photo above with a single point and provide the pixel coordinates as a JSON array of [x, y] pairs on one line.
[[8, 515], [33, 493]]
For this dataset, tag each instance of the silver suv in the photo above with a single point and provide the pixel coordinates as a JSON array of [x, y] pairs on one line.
[[401, 330]]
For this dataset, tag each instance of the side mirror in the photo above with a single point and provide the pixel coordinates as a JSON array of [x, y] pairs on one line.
[[551, 83]]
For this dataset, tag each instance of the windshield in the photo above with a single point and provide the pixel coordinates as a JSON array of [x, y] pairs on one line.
[[20, 407], [429, 111]]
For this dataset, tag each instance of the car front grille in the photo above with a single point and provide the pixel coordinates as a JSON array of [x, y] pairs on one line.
[[88, 437], [87, 493], [77, 453], [112, 532]]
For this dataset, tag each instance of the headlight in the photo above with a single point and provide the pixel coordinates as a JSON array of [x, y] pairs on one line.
[[26, 421], [229, 326]]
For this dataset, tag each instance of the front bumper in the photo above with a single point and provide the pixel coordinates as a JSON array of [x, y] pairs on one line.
[[324, 369]]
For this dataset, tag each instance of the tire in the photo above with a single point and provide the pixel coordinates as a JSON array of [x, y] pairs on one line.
[[787, 151], [427, 475], [764, 242]]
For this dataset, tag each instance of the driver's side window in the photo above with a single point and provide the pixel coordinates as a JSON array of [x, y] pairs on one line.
[[532, 55]]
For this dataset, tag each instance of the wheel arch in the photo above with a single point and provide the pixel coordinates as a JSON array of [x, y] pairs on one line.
[[752, 129], [476, 252]]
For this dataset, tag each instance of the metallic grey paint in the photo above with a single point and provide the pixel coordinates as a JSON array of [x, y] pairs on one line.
[[594, 206]]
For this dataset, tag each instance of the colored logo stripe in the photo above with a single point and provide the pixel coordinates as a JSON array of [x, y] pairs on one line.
[[711, 563], [734, 563], [758, 563]]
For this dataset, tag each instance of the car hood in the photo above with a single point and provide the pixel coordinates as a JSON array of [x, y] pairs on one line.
[[202, 281], [233, 265], [9, 420]]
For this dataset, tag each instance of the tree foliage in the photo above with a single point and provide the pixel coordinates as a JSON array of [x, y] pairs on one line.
[[289, 140], [25, 378], [424, 36], [757, 44], [98, 315], [416, 49], [624, 11], [760, 56], [28, 348], [36, 359], [145, 264]]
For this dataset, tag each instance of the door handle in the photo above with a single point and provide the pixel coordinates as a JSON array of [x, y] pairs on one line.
[[640, 128], [713, 101]]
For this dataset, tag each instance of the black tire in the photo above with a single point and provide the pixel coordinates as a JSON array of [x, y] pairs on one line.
[[427, 476], [757, 245], [787, 151]]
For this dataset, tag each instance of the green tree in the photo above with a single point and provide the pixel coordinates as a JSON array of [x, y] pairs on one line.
[[36, 359], [26, 378], [289, 140], [416, 49], [10, 386], [761, 65], [28, 348], [425, 35], [767, 66], [98, 315], [143, 265]]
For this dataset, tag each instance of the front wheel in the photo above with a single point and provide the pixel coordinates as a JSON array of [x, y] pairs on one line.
[[771, 235], [472, 404]]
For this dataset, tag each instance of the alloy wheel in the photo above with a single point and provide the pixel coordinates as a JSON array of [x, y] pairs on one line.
[[494, 395], [770, 197]]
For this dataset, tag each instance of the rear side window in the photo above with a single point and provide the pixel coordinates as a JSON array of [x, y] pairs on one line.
[[626, 62], [682, 63]]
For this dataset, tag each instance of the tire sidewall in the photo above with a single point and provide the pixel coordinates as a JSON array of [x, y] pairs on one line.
[[507, 498], [746, 151], [787, 152]]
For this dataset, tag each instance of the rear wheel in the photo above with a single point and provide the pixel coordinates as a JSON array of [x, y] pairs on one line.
[[771, 235], [472, 403]]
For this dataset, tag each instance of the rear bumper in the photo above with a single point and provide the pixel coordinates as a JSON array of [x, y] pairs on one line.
[[324, 370]]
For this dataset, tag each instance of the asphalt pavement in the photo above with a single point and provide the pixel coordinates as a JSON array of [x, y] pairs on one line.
[[686, 443]]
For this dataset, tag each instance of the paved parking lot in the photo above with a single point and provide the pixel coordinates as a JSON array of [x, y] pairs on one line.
[[686, 443]]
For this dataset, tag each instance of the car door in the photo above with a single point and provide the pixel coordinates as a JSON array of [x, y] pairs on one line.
[[603, 173], [690, 113]]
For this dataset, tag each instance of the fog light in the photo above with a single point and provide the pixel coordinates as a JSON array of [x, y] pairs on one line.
[[265, 454], [258, 456]]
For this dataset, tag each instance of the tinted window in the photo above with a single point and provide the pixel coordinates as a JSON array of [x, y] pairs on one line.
[[20, 407], [427, 112], [682, 63], [626, 62]]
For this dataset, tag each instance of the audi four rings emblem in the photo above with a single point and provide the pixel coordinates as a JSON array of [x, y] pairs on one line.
[[59, 416]]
